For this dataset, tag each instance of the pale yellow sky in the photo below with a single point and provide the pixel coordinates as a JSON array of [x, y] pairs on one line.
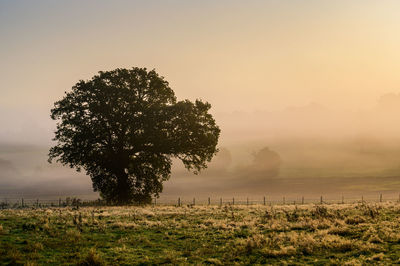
[[238, 55]]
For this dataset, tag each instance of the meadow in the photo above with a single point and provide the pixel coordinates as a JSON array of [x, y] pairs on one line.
[[333, 234]]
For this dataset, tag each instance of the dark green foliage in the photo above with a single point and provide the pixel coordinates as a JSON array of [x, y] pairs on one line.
[[123, 127]]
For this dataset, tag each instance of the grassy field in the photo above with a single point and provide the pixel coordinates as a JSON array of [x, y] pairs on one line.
[[335, 234]]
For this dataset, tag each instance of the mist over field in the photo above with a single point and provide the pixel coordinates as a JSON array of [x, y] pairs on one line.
[[301, 150], [314, 150]]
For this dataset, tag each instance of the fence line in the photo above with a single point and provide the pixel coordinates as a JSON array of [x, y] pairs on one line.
[[264, 200], [21, 202]]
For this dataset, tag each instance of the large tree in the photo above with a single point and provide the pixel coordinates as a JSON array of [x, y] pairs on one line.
[[124, 127]]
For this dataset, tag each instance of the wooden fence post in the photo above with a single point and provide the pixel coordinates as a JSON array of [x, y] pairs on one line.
[[37, 203], [342, 199], [209, 201], [220, 202], [380, 198], [247, 201], [321, 200], [233, 201], [362, 199], [264, 200], [179, 202]]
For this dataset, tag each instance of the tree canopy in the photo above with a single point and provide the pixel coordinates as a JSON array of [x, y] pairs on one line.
[[124, 127]]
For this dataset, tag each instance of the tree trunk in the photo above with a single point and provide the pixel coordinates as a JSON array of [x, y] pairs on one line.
[[123, 196]]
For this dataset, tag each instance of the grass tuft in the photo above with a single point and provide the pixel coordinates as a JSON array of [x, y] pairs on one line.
[[92, 259]]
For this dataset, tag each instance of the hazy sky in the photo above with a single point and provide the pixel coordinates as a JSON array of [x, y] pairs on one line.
[[238, 55]]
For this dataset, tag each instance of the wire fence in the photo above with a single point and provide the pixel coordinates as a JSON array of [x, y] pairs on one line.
[[21, 202], [265, 200]]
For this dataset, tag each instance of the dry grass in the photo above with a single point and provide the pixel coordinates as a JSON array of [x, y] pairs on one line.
[[348, 234], [92, 259]]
